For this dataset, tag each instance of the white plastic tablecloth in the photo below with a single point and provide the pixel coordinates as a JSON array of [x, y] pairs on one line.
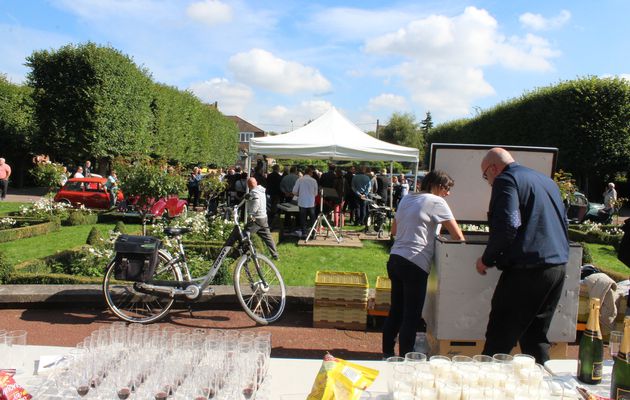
[[567, 369]]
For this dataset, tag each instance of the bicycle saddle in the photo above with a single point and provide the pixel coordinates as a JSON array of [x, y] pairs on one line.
[[176, 231]]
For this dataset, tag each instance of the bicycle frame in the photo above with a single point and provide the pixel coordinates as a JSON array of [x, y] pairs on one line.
[[236, 236]]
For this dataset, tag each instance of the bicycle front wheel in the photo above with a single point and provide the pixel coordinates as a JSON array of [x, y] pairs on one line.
[[133, 306], [261, 291]]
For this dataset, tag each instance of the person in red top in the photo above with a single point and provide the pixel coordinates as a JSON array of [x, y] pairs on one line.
[[5, 173]]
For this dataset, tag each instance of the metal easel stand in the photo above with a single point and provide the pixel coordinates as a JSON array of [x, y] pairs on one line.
[[318, 222]]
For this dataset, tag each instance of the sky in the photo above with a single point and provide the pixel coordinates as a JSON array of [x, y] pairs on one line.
[[280, 63]]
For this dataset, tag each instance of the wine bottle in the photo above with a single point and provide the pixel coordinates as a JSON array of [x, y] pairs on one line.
[[620, 377], [591, 354]]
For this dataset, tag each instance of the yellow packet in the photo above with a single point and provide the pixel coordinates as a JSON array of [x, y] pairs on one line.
[[339, 379]]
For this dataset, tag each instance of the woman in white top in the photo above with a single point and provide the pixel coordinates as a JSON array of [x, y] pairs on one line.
[[417, 223]]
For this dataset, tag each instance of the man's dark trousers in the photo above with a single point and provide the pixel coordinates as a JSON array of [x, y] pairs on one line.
[[261, 226], [523, 305], [4, 185]]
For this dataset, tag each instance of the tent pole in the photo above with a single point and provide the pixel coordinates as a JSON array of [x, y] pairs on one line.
[[390, 189], [415, 178], [248, 165]]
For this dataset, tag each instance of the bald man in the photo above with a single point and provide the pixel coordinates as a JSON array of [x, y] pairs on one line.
[[257, 209], [529, 243]]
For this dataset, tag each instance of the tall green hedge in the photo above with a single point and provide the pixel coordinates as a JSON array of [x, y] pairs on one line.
[[16, 126], [588, 119], [95, 102], [90, 102]]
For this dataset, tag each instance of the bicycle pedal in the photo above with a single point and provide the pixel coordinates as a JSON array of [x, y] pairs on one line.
[[208, 292]]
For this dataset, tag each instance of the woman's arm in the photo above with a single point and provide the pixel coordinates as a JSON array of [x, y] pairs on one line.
[[393, 230], [452, 228]]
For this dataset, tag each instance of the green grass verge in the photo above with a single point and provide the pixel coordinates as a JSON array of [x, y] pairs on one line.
[[41, 246], [605, 258], [7, 207], [298, 264]]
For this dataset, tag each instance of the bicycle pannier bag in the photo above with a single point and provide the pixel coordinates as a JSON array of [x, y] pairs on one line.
[[136, 257]]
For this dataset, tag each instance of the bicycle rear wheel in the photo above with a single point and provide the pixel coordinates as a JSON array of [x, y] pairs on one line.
[[263, 303], [133, 306]]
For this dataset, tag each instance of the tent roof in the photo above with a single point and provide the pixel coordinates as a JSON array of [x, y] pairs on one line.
[[331, 136]]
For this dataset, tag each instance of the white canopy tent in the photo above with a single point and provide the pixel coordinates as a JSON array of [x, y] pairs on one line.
[[331, 136]]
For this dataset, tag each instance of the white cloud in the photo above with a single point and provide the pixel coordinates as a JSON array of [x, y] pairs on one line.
[[232, 98], [261, 68], [388, 101], [539, 23], [348, 24], [282, 118], [210, 12], [625, 76], [444, 58]]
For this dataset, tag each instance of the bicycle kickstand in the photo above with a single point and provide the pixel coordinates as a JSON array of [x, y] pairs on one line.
[[190, 310]]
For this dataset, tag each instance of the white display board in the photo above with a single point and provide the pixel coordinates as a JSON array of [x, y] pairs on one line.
[[470, 197]]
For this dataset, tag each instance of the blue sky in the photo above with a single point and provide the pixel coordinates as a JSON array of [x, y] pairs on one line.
[[281, 63]]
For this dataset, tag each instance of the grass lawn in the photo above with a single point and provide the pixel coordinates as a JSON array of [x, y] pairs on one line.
[[7, 207], [298, 264], [605, 258], [68, 237]]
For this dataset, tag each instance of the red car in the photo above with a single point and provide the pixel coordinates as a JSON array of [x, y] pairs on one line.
[[87, 191]]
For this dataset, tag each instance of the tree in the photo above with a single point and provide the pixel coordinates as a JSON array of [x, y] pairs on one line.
[[402, 129], [426, 124], [146, 182]]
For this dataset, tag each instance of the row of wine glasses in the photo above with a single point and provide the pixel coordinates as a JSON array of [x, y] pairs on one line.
[[501, 377], [145, 362]]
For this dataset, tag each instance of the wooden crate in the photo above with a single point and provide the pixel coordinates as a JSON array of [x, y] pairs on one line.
[[473, 347], [382, 294], [341, 300]]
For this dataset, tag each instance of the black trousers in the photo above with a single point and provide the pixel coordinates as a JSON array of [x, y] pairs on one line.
[[523, 305], [409, 287], [4, 185], [260, 226]]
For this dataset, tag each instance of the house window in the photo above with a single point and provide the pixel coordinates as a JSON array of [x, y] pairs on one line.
[[245, 136]]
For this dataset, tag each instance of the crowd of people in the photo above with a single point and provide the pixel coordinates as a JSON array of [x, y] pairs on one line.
[[345, 192]]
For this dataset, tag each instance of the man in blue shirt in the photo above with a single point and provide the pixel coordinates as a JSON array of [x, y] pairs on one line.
[[529, 243]]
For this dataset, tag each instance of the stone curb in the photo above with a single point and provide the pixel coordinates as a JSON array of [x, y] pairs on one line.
[[25, 296]]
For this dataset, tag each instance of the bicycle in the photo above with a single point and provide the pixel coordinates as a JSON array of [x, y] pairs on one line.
[[258, 284]]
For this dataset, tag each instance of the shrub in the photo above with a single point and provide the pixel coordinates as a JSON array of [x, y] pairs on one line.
[[94, 237], [48, 175], [587, 258], [120, 227], [46, 207], [79, 217], [89, 261], [41, 228], [6, 269]]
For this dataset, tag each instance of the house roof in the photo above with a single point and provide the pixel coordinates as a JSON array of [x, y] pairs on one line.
[[244, 126]]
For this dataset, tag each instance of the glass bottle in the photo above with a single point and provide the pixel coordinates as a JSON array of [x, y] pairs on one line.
[[591, 354], [620, 377]]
